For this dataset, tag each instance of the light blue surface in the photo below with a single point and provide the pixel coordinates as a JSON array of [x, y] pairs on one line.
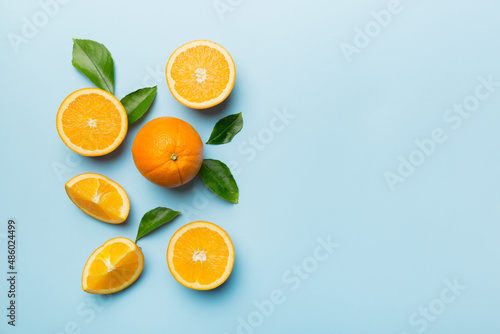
[[320, 175]]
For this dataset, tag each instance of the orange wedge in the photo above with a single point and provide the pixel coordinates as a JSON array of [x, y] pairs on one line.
[[92, 122], [200, 255], [200, 74], [99, 197], [112, 267]]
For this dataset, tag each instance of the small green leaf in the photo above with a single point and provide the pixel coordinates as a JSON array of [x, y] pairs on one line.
[[154, 219], [225, 129], [218, 178], [138, 102], [95, 62]]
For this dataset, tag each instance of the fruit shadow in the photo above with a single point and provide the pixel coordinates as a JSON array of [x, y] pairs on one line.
[[229, 284], [97, 221], [126, 221], [113, 155], [186, 188], [223, 290], [218, 109]]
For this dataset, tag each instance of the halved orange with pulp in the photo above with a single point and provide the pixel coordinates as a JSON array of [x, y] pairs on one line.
[[200, 74], [99, 197], [92, 122], [200, 255], [112, 267]]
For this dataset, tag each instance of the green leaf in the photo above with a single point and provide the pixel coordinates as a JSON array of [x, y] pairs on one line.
[[138, 102], [95, 62], [225, 129], [154, 219], [218, 178]]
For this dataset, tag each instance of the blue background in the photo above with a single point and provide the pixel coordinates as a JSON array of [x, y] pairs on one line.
[[319, 175]]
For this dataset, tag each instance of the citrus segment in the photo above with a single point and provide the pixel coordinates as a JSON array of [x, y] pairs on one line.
[[112, 267], [200, 74], [99, 197], [200, 255], [92, 122]]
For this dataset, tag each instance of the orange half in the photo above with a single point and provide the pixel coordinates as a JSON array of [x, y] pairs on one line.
[[99, 197], [200, 255], [92, 122], [200, 74], [112, 267]]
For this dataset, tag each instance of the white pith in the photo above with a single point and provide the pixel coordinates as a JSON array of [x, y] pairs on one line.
[[199, 256], [92, 123], [201, 75]]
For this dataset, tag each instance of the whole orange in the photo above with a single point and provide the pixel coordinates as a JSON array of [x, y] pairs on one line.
[[168, 151]]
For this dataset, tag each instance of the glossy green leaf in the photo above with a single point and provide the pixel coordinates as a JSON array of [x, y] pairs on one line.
[[137, 103], [95, 62], [218, 178], [225, 129], [154, 219]]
